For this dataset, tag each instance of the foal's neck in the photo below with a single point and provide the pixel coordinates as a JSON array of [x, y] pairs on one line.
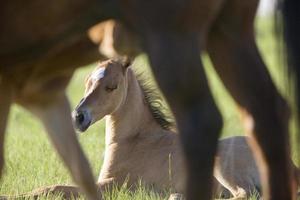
[[133, 118]]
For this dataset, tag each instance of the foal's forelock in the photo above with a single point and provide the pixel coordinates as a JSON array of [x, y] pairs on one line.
[[92, 78], [98, 74]]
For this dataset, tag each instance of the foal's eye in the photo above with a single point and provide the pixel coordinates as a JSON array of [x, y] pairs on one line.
[[111, 88]]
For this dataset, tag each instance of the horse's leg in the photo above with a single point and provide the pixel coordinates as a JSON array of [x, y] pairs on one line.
[[236, 58], [5, 101], [175, 60], [56, 117]]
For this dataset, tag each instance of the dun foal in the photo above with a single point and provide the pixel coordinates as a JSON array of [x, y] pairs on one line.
[[140, 139]]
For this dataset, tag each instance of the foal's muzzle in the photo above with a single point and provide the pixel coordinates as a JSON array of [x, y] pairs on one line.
[[81, 120]]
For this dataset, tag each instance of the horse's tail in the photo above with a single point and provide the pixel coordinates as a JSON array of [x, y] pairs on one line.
[[297, 176], [290, 11], [291, 30]]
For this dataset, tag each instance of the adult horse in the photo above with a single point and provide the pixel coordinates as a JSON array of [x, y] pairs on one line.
[[41, 46], [173, 33], [38, 45]]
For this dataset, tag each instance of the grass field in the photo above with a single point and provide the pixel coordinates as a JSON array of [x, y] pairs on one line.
[[31, 161]]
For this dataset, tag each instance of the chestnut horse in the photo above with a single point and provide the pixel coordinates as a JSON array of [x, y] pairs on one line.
[[174, 33], [35, 58], [39, 46]]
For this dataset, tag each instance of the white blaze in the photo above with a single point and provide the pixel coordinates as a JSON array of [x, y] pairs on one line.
[[98, 74]]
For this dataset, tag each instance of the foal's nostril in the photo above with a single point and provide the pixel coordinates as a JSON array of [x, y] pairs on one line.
[[79, 118]]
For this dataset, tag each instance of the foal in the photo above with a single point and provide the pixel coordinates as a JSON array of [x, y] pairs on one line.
[[139, 138]]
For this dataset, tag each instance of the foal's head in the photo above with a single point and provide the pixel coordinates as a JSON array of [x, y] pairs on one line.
[[105, 90]]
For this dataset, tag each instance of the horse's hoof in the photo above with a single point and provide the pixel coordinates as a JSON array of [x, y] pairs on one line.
[[176, 196]]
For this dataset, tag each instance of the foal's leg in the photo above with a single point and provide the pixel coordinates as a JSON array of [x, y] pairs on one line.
[[5, 101], [175, 60], [67, 192], [236, 58], [56, 118]]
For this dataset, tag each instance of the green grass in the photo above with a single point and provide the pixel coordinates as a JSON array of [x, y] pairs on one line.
[[31, 161]]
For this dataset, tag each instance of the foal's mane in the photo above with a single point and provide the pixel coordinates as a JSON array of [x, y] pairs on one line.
[[159, 111]]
